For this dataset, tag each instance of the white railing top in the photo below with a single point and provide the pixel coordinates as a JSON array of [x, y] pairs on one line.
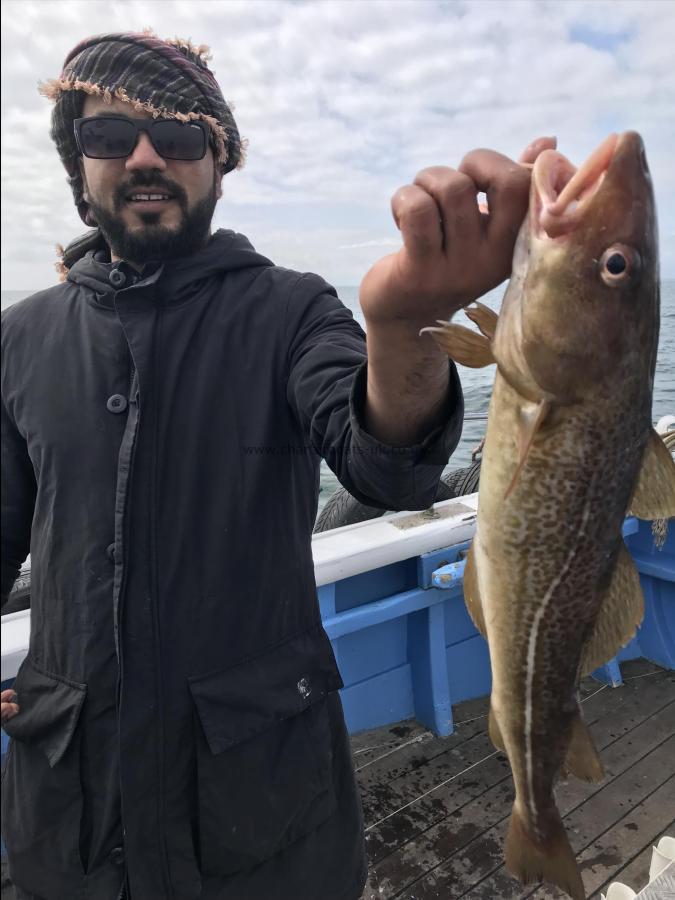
[[338, 554], [15, 635], [353, 549]]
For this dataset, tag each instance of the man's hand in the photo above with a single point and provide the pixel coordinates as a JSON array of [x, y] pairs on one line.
[[453, 251], [8, 706]]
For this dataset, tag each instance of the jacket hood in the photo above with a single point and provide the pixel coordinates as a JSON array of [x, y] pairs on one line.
[[226, 251]]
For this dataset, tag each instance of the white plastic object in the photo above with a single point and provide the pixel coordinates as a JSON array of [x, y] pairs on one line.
[[662, 856], [665, 424], [619, 891]]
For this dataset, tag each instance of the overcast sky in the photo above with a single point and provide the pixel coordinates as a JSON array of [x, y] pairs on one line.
[[343, 101]]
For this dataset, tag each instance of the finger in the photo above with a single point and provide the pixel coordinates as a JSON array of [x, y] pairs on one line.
[[455, 196], [8, 696], [507, 186], [7, 711], [532, 151], [419, 220]]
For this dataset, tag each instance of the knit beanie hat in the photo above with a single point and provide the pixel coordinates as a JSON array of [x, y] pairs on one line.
[[169, 79]]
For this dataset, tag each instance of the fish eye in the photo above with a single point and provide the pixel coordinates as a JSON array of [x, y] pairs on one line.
[[616, 264], [619, 264]]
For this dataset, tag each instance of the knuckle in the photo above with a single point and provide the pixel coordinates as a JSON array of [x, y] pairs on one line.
[[432, 175], [414, 205], [514, 179], [471, 158], [459, 186]]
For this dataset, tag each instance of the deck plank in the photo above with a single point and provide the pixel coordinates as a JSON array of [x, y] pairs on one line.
[[449, 843], [599, 862], [399, 822], [604, 811], [401, 776], [483, 823]]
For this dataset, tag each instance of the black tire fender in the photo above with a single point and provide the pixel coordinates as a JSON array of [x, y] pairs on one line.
[[343, 509]]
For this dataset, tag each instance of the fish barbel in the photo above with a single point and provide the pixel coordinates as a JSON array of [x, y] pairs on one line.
[[569, 451]]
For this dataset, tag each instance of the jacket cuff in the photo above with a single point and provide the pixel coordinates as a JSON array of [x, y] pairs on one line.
[[403, 477]]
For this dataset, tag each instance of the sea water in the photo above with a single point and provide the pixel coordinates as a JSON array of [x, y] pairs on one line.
[[477, 383]]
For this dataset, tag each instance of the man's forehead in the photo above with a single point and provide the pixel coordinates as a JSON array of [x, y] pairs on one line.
[[96, 106]]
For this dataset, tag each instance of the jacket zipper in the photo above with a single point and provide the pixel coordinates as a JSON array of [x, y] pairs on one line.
[[133, 398], [154, 594]]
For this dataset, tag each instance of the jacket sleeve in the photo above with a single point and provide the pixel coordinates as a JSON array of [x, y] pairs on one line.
[[327, 390], [18, 502]]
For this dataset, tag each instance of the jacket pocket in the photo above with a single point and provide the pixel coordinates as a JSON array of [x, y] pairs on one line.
[[264, 752], [42, 794]]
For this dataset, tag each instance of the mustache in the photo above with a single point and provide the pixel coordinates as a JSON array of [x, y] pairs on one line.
[[147, 180]]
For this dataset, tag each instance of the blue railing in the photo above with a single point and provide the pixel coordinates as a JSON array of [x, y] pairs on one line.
[[406, 646]]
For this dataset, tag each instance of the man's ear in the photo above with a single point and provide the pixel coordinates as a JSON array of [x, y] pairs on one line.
[[219, 184]]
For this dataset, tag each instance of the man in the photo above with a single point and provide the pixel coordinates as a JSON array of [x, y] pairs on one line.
[[177, 727]]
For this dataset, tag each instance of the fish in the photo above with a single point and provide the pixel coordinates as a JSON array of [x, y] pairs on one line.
[[569, 452]]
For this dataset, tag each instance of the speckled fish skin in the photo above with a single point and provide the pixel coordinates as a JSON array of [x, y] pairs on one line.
[[545, 550]]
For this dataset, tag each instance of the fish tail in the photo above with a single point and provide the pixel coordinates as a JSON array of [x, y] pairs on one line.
[[547, 858]]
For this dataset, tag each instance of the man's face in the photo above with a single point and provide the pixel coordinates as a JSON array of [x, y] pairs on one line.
[[158, 229]]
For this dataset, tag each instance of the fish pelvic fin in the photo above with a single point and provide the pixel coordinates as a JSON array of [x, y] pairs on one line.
[[472, 593], [582, 758], [654, 494], [482, 316], [464, 346], [619, 615], [546, 858], [530, 422], [495, 731]]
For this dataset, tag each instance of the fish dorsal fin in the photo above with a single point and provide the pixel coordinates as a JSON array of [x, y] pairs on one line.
[[484, 317], [464, 346], [620, 613], [531, 420], [472, 594], [654, 494]]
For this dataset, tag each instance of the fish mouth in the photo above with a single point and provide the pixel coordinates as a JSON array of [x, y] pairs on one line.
[[562, 192]]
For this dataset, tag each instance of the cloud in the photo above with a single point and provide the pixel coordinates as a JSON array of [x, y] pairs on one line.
[[378, 242], [343, 102]]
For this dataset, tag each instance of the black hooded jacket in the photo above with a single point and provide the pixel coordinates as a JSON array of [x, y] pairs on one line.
[[161, 439]]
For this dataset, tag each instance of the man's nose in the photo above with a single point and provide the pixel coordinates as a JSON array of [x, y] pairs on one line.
[[145, 156]]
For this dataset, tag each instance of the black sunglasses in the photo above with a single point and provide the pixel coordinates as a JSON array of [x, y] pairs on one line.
[[114, 137]]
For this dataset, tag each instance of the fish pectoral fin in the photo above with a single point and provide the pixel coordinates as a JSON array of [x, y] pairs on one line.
[[530, 422], [620, 613], [472, 594], [582, 758], [654, 494], [548, 857], [464, 346], [484, 317]]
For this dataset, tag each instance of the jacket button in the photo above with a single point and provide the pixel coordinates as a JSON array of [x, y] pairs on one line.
[[117, 278], [117, 403], [116, 856], [110, 550]]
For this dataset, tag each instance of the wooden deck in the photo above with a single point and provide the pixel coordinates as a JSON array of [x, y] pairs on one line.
[[436, 809]]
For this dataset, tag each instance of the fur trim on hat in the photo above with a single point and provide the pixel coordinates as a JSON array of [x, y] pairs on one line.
[[54, 87]]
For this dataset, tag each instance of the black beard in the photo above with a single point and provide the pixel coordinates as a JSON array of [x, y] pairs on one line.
[[157, 242]]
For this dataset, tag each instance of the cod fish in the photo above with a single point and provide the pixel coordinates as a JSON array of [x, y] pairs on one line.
[[569, 451]]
